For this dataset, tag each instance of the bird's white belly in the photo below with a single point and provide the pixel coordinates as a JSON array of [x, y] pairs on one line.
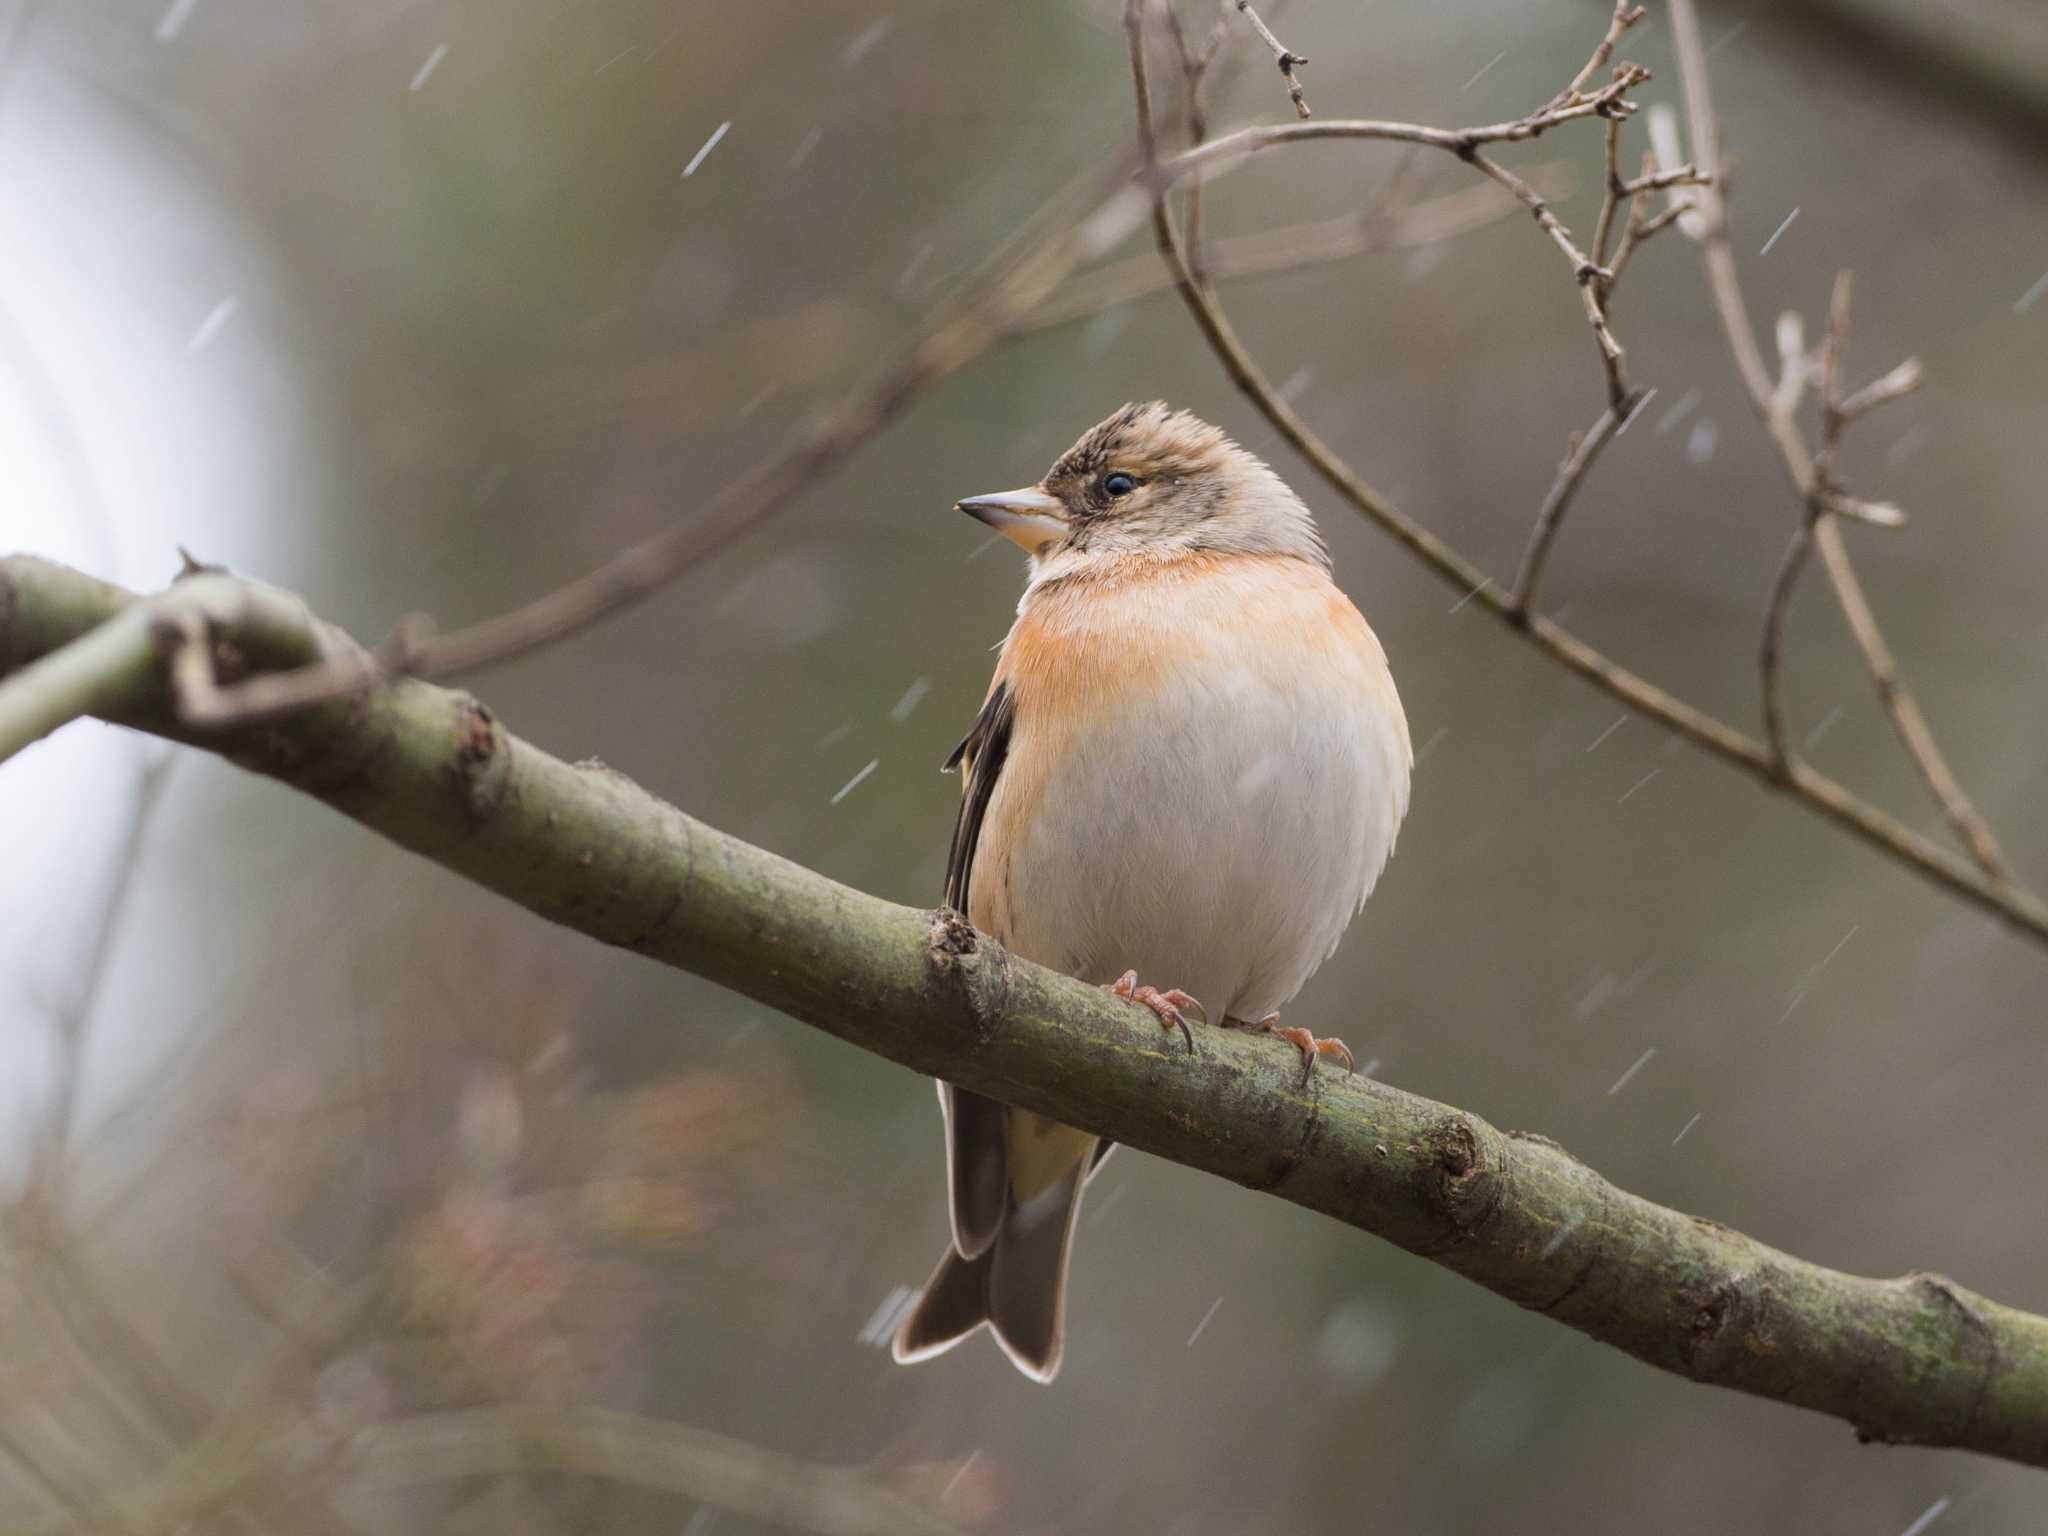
[[1215, 833]]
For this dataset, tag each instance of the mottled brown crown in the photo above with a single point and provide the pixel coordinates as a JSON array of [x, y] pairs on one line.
[[1195, 490], [1151, 434]]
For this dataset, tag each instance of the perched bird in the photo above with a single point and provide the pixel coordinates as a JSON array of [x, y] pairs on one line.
[[1190, 768]]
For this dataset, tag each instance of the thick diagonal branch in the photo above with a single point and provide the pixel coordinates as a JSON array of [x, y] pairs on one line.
[[1916, 1360]]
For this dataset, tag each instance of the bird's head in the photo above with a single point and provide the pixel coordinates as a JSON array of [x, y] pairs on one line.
[[1150, 482]]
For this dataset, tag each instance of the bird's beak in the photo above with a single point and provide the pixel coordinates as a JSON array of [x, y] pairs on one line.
[[1028, 518]]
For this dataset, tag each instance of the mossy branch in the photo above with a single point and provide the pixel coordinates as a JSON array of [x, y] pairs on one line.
[[1915, 1360]]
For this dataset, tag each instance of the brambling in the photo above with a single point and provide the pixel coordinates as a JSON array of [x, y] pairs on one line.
[[1190, 767]]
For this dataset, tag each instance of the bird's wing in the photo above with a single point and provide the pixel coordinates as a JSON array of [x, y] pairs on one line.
[[979, 757], [977, 1169]]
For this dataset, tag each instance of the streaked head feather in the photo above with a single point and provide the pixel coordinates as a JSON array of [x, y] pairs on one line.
[[1197, 492]]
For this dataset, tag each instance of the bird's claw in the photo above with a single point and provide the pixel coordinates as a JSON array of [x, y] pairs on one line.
[[1312, 1050], [1166, 1006]]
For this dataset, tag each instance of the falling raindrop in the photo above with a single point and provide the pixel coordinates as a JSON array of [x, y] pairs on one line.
[[1641, 1062], [1677, 410], [855, 782], [1204, 1323], [912, 697], [1629, 793], [210, 327], [1481, 74], [1594, 745], [865, 41], [1779, 231], [881, 1326], [425, 71], [180, 12], [709, 144]]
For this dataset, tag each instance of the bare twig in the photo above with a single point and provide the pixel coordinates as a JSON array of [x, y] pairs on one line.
[[1260, 137], [1288, 60], [1641, 224], [1879, 514], [1769, 648], [1585, 448], [1292, 247], [1006, 297], [1614, 192], [656, 1454], [1653, 180], [1809, 475], [1001, 302], [1589, 275], [1194, 74], [1197, 69], [1794, 366], [1793, 374], [1834, 341], [1624, 17], [1897, 384], [72, 1021], [1640, 229], [1992, 893]]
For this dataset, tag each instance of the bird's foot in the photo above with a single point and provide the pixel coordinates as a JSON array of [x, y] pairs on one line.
[[1165, 1005], [1312, 1050]]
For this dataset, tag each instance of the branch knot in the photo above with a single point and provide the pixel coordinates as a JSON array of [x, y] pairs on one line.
[[978, 968]]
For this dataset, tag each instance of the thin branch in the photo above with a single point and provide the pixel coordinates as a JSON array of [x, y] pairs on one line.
[[1793, 372], [1286, 58], [1913, 1360], [1234, 148], [1808, 476], [1819, 793], [1663, 181], [2019, 908], [1896, 385], [638, 1452], [1640, 229], [1585, 448], [1615, 191], [1624, 17], [1197, 69], [1588, 274], [1290, 248], [627, 1449], [1001, 301], [1963, 817], [72, 1021], [1194, 72], [1771, 646]]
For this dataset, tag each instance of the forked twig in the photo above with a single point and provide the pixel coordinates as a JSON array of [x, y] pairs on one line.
[[1991, 891], [1809, 472], [1285, 57]]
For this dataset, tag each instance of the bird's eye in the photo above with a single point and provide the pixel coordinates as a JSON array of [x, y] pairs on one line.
[[1119, 484]]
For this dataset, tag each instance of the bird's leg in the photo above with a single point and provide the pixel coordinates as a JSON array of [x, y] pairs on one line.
[[1310, 1047], [1167, 1005]]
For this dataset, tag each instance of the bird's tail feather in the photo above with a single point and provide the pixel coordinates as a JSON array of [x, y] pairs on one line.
[[1018, 1286]]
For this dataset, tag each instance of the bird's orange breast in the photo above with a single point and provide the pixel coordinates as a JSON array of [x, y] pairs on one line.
[[1101, 652]]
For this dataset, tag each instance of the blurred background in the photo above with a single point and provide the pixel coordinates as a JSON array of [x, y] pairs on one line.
[[430, 304]]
